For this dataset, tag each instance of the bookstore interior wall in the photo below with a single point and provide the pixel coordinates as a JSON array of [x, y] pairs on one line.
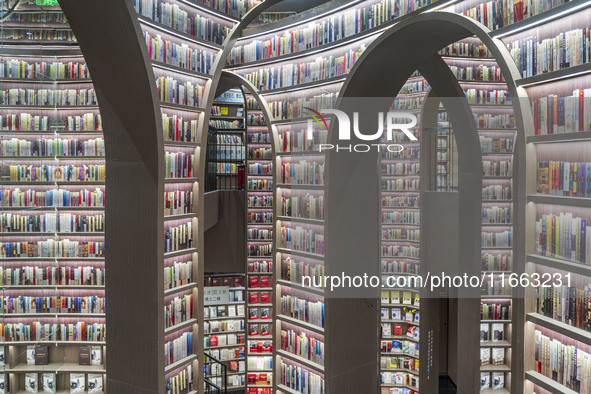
[[201, 98]]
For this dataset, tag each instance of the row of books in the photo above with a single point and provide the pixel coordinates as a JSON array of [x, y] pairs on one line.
[[489, 97], [223, 168], [465, 49], [296, 271], [401, 184], [301, 380], [394, 297], [178, 310], [178, 237], [255, 119], [298, 108], [304, 310], [308, 206], [301, 239], [214, 312], [16, 147], [302, 345], [229, 139], [260, 201], [401, 217], [260, 347], [178, 348], [178, 274], [409, 103], [178, 202], [495, 311], [567, 304], [563, 236], [291, 74], [494, 332], [260, 217], [494, 380], [400, 267], [229, 152], [176, 128], [496, 144], [38, 35], [499, 121], [398, 234], [400, 201], [52, 248], [259, 153], [54, 304], [37, 331], [255, 297], [43, 17], [500, 13], [178, 165], [52, 276], [497, 168], [223, 326], [259, 234], [494, 356], [50, 173], [496, 262], [224, 340], [178, 55], [496, 192], [406, 153], [173, 16], [400, 378], [560, 178], [255, 314], [566, 49], [226, 125], [496, 214], [399, 330], [300, 140], [402, 251], [51, 222], [182, 382], [22, 69], [259, 185], [256, 250], [260, 168], [186, 93], [565, 364], [304, 172], [397, 346], [496, 286], [325, 31], [558, 115], [415, 87], [264, 266], [259, 138], [235, 8], [399, 362], [491, 239], [401, 169], [405, 314], [48, 97], [47, 382], [477, 73]]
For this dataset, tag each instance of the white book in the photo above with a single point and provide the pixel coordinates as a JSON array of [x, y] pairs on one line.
[[31, 355], [95, 383], [48, 381], [2, 357], [31, 384], [2, 383], [96, 355], [77, 383]]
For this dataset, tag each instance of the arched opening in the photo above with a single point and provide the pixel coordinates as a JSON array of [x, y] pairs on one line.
[[352, 233]]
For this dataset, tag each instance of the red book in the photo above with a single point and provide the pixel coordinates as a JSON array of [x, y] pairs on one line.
[[264, 298], [264, 281], [254, 281], [254, 298]]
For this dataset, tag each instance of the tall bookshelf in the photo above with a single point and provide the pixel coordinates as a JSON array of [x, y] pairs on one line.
[[227, 161], [52, 231], [191, 41], [260, 212]]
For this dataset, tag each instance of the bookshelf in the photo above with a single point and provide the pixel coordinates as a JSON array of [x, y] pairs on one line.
[[225, 329], [54, 288]]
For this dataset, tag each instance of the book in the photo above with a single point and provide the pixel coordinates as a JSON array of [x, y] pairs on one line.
[[498, 356], [31, 384], [96, 355], [484, 332], [41, 355], [3, 385], [84, 355], [498, 330], [484, 356], [48, 380], [2, 357], [498, 380], [95, 383], [484, 380], [31, 355], [77, 383]]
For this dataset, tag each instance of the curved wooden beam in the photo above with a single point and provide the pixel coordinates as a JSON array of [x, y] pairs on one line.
[[110, 39]]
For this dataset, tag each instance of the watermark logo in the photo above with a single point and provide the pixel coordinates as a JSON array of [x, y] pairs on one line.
[[345, 126]]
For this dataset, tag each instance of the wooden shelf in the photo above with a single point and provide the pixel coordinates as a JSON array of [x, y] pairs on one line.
[[180, 326], [308, 363], [495, 368], [562, 137], [562, 328], [300, 287], [299, 253], [569, 266], [547, 383], [57, 368], [301, 323], [179, 34], [555, 75], [180, 363]]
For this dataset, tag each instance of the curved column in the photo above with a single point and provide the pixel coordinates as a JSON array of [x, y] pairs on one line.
[[110, 41]]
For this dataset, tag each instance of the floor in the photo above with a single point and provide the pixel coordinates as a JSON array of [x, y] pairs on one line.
[[446, 386]]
